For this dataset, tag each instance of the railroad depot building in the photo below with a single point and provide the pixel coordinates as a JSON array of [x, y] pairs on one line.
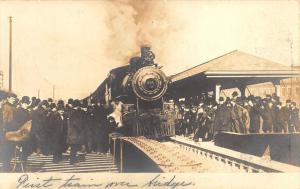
[[238, 71], [289, 89]]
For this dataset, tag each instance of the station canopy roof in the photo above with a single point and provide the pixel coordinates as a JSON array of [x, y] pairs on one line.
[[229, 70]]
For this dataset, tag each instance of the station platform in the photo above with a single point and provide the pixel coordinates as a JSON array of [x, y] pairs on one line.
[[280, 147]]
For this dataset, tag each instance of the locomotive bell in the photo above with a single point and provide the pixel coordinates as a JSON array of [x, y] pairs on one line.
[[149, 83]]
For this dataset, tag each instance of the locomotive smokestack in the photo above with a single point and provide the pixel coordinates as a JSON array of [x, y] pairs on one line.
[[144, 50], [147, 56]]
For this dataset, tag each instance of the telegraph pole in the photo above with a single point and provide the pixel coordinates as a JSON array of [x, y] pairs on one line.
[[53, 92], [10, 54], [39, 93], [292, 66]]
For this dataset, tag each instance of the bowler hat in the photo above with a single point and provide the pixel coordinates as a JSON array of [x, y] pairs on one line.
[[25, 99], [76, 103], [52, 105], [70, 101], [44, 103]]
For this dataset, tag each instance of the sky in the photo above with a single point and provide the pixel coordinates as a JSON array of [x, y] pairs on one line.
[[72, 45]]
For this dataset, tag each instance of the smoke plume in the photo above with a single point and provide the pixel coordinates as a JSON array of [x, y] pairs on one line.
[[136, 23]]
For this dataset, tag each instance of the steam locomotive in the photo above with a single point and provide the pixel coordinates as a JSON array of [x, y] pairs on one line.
[[137, 91]]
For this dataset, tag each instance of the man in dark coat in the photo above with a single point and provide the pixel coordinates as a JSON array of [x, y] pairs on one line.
[[294, 118], [39, 127], [75, 130], [286, 110], [22, 116], [58, 129], [281, 119], [100, 113], [91, 129], [254, 115], [83, 107], [186, 121], [266, 114], [222, 117]]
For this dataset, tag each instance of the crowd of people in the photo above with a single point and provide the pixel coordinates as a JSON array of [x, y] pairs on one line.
[[55, 127], [253, 114]]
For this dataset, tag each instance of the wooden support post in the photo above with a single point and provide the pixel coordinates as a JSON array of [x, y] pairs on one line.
[[277, 87], [217, 93], [121, 157], [114, 150], [242, 89], [10, 55]]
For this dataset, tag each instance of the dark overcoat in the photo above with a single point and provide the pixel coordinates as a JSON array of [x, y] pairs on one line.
[[294, 119], [75, 121], [266, 114], [254, 119], [57, 124], [222, 118]]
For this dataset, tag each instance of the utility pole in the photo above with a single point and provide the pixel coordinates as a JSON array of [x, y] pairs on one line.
[[10, 54], [292, 65], [53, 92], [39, 93]]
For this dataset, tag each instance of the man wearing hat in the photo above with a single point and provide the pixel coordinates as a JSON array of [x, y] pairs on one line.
[[50, 100], [83, 107], [9, 124], [234, 95], [287, 112], [58, 125], [69, 106], [281, 121], [101, 113], [254, 114], [294, 118], [75, 130], [22, 116], [266, 114], [239, 116], [39, 126], [222, 117]]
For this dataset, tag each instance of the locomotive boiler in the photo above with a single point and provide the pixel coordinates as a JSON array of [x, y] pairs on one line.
[[136, 92]]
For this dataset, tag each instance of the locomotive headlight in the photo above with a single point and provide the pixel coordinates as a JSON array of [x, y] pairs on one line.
[[149, 83]]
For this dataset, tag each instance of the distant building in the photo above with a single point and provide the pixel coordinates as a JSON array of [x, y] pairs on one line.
[[289, 89]]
